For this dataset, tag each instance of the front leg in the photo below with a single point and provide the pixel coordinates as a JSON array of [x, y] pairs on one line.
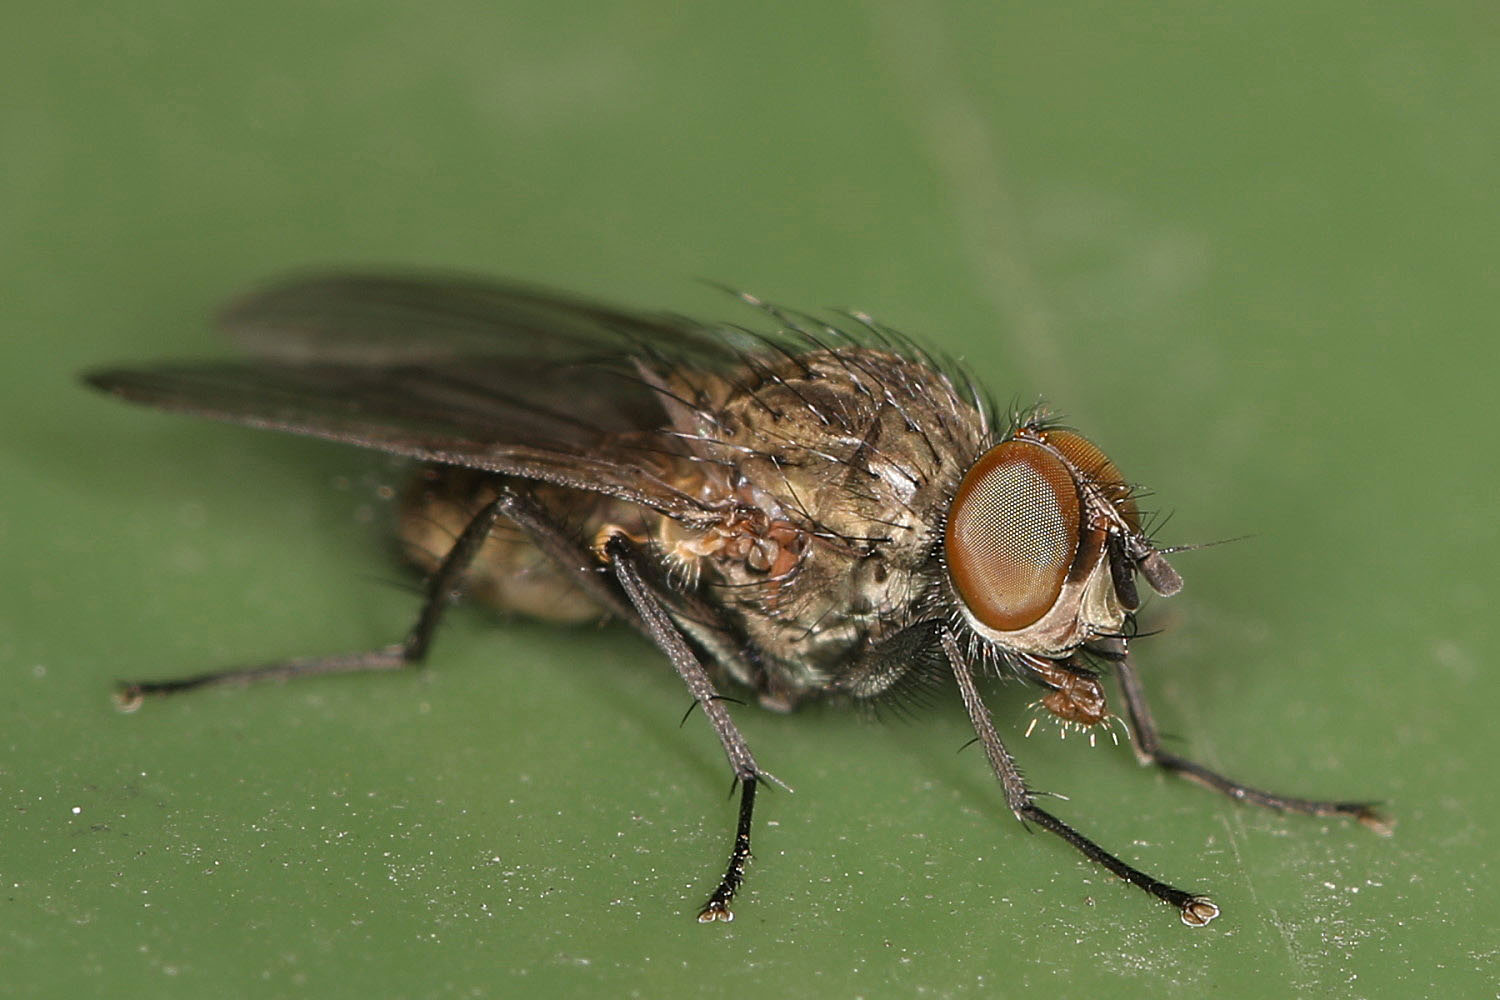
[[1148, 749], [1194, 909]]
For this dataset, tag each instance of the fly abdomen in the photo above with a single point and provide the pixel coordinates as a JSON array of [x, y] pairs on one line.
[[509, 573]]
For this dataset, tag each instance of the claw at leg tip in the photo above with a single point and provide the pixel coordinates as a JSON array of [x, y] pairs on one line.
[[715, 912], [1199, 912], [1382, 825]]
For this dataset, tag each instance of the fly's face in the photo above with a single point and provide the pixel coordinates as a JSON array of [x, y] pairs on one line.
[[1042, 544]]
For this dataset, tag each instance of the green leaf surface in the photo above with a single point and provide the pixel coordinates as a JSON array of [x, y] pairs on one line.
[[1249, 248]]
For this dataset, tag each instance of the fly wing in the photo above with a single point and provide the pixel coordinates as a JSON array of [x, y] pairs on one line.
[[390, 319], [507, 379]]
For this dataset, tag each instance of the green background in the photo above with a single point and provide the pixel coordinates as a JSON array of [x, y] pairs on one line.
[[1250, 248]]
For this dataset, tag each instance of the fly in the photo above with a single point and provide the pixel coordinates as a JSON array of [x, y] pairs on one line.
[[819, 511]]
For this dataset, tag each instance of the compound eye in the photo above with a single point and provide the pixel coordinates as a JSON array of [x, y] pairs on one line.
[[1099, 470], [1012, 534]]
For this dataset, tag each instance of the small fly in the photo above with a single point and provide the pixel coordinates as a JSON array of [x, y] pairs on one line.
[[822, 510]]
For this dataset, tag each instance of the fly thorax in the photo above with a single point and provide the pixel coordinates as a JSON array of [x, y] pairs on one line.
[[752, 540]]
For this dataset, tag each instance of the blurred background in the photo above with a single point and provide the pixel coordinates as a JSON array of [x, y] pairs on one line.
[[1249, 248]]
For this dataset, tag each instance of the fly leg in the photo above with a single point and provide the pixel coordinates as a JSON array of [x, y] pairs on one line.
[[410, 651], [625, 562], [1195, 910], [1148, 750], [511, 503]]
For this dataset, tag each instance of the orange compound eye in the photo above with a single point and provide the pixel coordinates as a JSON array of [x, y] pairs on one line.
[[1012, 534], [1096, 466]]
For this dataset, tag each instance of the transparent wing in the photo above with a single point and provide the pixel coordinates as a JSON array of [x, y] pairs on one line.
[[389, 319], [507, 379]]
